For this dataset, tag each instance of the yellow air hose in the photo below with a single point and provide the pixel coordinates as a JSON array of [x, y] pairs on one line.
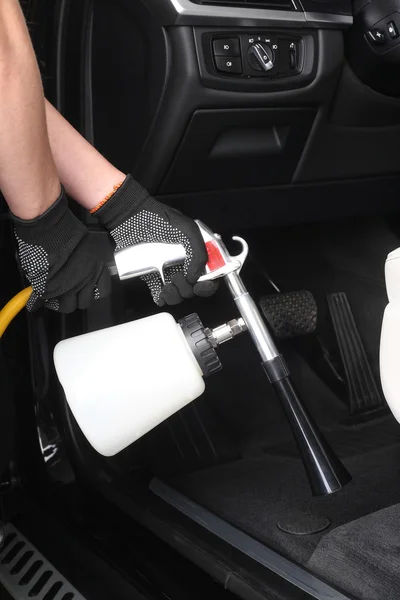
[[13, 307]]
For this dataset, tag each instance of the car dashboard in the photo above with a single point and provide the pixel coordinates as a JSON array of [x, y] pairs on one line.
[[263, 104]]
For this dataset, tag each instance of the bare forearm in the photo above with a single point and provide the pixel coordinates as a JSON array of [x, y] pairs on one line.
[[28, 176], [87, 176]]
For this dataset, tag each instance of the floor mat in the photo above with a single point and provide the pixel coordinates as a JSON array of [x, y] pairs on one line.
[[255, 493], [350, 441], [362, 557]]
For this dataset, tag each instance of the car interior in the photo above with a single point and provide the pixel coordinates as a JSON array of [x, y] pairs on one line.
[[274, 120]]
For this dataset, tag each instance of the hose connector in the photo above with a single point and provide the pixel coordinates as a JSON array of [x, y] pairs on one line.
[[225, 332]]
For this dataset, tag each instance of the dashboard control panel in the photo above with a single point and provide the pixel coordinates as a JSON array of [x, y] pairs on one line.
[[252, 60], [384, 35], [261, 54], [373, 45]]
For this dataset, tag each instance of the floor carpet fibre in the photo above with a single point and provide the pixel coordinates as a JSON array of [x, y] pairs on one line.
[[256, 493], [363, 556]]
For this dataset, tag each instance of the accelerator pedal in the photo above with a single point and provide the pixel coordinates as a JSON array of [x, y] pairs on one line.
[[290, 314], [364, 394]]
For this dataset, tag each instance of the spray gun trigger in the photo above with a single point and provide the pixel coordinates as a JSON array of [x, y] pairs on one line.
[[241, 258], [160, 270]]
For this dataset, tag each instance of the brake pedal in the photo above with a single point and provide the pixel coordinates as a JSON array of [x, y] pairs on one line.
[[363, 392], [290, 314]]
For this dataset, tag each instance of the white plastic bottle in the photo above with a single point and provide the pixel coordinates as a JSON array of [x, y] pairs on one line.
[[122, 381], [390, 336]]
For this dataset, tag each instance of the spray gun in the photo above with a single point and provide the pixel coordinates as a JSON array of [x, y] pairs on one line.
[[325, 471], [142, 259]]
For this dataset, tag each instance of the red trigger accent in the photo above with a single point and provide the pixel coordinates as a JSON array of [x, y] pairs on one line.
[[215, 258]]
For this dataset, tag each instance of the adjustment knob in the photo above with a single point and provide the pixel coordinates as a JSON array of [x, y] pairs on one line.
[[261, 57]]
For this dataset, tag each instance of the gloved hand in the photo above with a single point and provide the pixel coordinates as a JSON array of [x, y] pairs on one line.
[[61, 259], [132, 216]]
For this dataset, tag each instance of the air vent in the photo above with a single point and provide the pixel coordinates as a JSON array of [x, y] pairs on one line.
[[267, 4], [26, 574]]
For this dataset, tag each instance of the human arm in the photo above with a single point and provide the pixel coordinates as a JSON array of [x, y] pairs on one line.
[[86, 175], [28, 175], [59, 256]]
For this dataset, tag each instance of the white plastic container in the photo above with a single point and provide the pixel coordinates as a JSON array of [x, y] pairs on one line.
[[390, 336], [122, 381]]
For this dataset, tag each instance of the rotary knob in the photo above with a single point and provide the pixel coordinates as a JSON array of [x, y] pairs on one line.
[[261, 57]]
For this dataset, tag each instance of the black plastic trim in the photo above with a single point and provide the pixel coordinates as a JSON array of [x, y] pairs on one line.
[[87, 97], [73, 554], [221, 149], [291, 204], [60, 36], [260, 4], [185, 12]]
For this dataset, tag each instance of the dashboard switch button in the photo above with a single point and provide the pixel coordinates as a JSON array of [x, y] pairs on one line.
[[292, 56], [229, 64], [261, 57], [376, 36], [393, 31], [228, 47]]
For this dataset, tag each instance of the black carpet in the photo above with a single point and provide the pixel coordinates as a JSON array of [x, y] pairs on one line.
[[362, 557], [256, 493]]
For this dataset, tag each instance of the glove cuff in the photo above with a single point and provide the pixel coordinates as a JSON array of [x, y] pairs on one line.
[[124, 203], [57, 230], [49, 217]]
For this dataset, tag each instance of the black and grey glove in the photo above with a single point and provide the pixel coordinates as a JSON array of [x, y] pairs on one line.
[[61, 259], [132, 216]]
